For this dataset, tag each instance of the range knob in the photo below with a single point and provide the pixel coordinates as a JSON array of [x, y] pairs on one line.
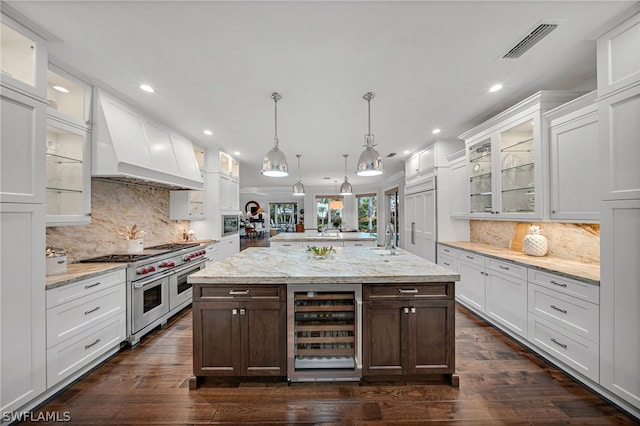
[[164, 265], [152, 268], [143, 271], [172, 264]]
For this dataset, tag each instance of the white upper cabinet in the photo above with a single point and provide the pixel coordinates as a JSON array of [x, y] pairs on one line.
[[508, 160], [229, 165], [619, 57], [68, 174], [434, 155], [68, 98], [186, 205], [22, 133], [458, 185], [573, 138], [23, 63], [412, 167]]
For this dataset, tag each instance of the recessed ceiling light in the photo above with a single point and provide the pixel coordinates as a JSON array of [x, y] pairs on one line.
[[495, 88], [61, 89], [406, 151], [435, 131], [236, 153], [208, 132], [147, 88]]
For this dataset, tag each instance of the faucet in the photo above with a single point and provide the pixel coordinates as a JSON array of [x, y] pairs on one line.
[[390, 239]]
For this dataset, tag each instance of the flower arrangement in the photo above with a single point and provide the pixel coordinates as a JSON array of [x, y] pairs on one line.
[[320, 252], [132, 233]]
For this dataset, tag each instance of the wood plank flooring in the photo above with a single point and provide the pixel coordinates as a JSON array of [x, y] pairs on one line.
[[501, 383]]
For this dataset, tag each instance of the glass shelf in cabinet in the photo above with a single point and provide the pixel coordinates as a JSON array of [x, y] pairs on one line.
[[484, 157], [482, 176], [520, 168], [521, 189], [481, 194], [514, 147], [61, 190], [63, 159]]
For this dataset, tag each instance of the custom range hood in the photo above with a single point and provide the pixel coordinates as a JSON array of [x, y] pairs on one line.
[[128, 147]]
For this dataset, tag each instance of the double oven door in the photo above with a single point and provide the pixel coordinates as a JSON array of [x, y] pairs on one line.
[[180, 291]]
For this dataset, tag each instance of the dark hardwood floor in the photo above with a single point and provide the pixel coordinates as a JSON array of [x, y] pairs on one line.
[[501, 383]]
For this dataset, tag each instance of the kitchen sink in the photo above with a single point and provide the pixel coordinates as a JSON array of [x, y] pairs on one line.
[[381, 251]]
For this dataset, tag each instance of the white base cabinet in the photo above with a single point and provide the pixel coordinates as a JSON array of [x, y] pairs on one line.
[[472, 281], [506, 295], [85, 320]]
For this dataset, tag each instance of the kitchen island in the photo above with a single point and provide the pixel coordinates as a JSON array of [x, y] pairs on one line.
[[369, 314], [329, 238]]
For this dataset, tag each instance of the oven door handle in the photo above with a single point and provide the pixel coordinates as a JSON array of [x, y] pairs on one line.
[[153, 279], [190, 265]]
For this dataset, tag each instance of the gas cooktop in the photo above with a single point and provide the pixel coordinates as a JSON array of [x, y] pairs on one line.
[[147, 253]]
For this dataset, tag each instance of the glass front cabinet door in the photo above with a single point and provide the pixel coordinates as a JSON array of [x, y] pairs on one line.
[[68, 174], [507, 159]]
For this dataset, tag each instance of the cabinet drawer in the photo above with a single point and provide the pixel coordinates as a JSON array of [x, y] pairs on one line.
[[68, 319], [226, 292], [73, 354], [408, 291], [578, 353], [570, 313], [448, 262], [85, 287], [507, 268], [359, 243], [448, 251], [469, 257], [583, 290]]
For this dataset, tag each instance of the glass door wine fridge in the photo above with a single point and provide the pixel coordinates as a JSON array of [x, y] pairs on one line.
[[324, 332]]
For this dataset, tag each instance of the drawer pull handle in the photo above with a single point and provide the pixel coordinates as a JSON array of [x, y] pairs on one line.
[[445, 250], [92, 285], [470, 257], [357, 245], [239, 291], [446, 263], [503, 267], [557, 283], [91, 310], [408, 290], [92, 344], [564, 311], [562, 345]]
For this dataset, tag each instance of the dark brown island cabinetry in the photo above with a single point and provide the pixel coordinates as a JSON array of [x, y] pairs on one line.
[[239, 331], [409, 331]]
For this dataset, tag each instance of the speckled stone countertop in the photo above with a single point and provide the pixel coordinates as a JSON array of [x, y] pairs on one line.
[[80, 271], [263, 265], [587, 272], [314, 237]]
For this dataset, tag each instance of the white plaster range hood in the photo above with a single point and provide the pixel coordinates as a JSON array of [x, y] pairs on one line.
[[129, 147]]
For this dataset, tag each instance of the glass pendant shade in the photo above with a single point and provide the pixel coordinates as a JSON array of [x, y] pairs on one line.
[[275, 162], [370, 162]]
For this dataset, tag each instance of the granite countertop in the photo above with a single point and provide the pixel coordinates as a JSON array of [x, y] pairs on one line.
[[588, 272], [262, 265], [80, 271], [314, 236]]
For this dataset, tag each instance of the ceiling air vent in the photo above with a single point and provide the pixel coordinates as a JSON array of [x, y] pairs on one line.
[[391, 154], [530, 40]]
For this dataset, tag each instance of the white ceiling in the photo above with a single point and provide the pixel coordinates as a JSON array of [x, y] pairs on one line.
[[214, 64]]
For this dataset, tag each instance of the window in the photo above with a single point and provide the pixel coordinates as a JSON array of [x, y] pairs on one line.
[[283, 216], [392, 211], [329, 211], [367, 212]]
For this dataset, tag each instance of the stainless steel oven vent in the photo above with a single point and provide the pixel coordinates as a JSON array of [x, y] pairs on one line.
[[530, 40]]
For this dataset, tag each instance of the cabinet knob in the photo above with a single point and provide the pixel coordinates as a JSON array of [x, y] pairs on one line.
[[242, 311], [234, 311], [413, 310], [406, 310]]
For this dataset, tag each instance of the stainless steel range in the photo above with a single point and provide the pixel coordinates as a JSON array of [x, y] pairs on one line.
[[157, 285]]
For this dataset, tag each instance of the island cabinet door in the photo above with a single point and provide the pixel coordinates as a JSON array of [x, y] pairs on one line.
[[216, 339], [264, 338], [430, 337], [384, 339]]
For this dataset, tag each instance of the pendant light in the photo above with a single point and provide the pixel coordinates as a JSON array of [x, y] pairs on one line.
[[370, 162], [298, 187], [336, 203], [345, 188], [275, 162]]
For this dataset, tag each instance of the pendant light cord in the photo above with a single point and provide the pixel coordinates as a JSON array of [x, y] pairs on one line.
[[276, 97]]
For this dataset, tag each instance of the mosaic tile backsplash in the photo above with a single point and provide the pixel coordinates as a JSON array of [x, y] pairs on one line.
[[574, 241], [114, 206]]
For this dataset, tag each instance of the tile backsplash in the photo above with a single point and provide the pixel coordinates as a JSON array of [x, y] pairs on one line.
[[114, 206], [574, 241]]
